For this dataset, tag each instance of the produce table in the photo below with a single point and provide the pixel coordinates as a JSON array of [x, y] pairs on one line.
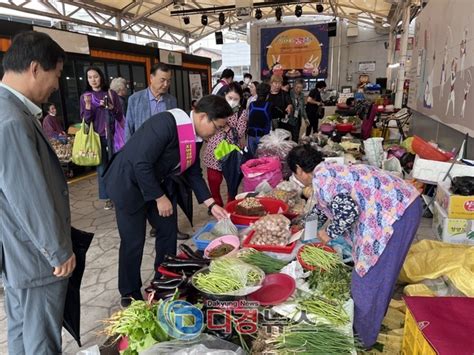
[[258, 301]]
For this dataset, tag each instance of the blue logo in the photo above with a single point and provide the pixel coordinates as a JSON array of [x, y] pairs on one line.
[[180, 319]]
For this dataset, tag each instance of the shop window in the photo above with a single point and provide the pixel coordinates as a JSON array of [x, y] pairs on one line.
[[187, 90], [179, 88], [139, 77], [124, 72], [112, 71]]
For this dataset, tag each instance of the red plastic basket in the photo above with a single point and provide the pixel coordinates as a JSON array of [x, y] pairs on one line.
[[284, 249], [427, 151], [318, 245], [344, 127], [271, 205]]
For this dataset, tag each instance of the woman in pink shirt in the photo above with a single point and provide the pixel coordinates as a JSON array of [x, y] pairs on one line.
[[235, 132]]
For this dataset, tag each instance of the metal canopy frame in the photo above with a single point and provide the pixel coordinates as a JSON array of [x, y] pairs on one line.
[[132, 20]]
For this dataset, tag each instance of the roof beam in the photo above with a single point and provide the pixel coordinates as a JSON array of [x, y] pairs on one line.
[[57, 16], [149, 12]]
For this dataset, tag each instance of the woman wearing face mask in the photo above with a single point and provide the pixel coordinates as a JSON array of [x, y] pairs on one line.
[[234, 132], [93, 110], [253, 93]]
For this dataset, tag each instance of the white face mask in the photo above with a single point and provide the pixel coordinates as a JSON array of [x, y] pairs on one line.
[[247, 81], [233, 104]]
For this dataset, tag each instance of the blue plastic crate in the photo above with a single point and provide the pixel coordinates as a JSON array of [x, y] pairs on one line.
[[202, 244]]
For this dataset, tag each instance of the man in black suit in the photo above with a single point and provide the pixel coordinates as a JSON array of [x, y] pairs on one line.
[[137, 182]]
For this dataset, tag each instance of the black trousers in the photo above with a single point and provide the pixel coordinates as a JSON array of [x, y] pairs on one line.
[[293, 129], [313, 124], [132, 229]]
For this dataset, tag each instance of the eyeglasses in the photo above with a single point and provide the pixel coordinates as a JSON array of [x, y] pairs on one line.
[[218, 129]]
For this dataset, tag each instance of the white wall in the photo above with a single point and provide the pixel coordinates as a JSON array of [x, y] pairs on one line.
[[367, 46]]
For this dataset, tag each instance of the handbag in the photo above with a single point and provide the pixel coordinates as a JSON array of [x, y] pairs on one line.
[[86, 150]]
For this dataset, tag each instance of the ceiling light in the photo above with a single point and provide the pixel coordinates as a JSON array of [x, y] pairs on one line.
[[298, 11], [204, 20], [221, 19], [258, 14], [278, 14], [319, 8], [186, 20]]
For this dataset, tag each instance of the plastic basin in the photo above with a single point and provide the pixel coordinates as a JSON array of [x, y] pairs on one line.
[[276, 289], [226, 239], [318, 245], [271, 206]]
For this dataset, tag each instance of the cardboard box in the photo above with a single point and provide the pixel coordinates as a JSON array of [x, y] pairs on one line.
[[456, 206], [432, 172], [452, 230]]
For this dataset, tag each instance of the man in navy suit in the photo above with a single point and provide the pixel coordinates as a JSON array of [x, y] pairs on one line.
[[137, 182]]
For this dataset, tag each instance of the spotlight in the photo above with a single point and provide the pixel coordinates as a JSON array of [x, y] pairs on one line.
[[278, 14], [298, 10], [204, 20], [258, 14], [186, 20], [319, 8], [221, 19]]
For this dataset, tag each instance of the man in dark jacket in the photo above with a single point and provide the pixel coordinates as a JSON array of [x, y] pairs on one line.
[[137, 182]]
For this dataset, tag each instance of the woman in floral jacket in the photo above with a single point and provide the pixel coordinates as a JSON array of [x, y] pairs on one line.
[[377, 213]]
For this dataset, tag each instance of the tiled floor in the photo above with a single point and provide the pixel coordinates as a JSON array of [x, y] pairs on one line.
[[99, 295]]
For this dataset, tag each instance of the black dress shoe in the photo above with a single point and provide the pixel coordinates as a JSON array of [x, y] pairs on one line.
[[126, 301], [152, 233], [183, 236]]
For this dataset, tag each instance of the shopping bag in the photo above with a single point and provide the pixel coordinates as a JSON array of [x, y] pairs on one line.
[[86, 150], [263, 169]]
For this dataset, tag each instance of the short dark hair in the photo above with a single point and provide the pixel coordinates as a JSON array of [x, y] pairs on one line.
[[159, 66], [350, 101], [104, 84], [285, 82], [248, 75], [304, 156], [30, 47], [263, 90], [299, 82], [215, 106], [255, 83], [227, 73], [320, 84], [234, 87]]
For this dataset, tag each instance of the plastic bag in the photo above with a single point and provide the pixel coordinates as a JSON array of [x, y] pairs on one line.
[[204, 344], [463, 185], [277, 143], [374, 151], [263, 169], [86, 150], [393, 166], [454, 261], [225, 227], [93, 350]]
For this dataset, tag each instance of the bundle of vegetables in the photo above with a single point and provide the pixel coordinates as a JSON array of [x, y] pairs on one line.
[[272, 229], [333, 284], [139, 324], [226, 275], [319, 258], [261, 260], [309, 339], [330, 310]]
